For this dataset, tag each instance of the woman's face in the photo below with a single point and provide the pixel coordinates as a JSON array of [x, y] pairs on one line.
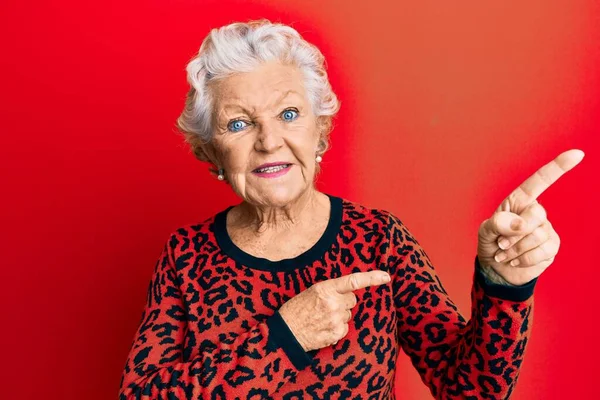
[[263, 117]]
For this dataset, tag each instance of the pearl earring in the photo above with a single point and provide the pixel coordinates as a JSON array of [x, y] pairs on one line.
[[221, 174], [319, 158]]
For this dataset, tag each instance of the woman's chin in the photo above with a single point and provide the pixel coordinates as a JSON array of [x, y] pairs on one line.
[[279, 195]]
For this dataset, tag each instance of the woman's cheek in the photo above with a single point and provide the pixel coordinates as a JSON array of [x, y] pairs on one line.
[[237, 185]]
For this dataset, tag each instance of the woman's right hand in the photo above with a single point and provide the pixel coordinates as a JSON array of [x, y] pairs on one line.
[[318, 317]]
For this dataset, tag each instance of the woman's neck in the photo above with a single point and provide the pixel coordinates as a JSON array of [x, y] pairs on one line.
[[271, 220]]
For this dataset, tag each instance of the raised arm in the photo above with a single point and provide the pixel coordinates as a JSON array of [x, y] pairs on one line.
[[457, 359], [243, 364]]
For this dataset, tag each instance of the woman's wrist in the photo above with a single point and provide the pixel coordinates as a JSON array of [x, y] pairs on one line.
[[492, 276]]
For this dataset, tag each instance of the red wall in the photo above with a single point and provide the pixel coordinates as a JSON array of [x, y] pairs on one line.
[[446, 108]]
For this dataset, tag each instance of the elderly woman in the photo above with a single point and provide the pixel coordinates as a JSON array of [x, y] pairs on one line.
[[294, 293]]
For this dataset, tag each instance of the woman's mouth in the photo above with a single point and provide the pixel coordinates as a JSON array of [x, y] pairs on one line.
[[272, 172]]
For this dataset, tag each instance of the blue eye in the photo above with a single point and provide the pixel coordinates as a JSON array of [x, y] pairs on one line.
[[289, 115], [236, 126]]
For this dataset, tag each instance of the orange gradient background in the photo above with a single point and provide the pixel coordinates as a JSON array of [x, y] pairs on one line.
[[446, 108]]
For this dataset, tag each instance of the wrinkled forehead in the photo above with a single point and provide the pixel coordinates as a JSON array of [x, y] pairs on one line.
[[264, 88]]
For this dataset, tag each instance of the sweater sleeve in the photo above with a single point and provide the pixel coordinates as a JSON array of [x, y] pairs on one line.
[[251, 363], [457, 359]]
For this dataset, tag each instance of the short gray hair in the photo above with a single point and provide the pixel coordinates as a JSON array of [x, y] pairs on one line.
[[241, 47]]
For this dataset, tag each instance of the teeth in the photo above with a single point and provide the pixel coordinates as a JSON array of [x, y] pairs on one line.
[[272, 169]]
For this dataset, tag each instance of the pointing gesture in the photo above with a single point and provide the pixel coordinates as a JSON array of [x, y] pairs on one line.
[[319, 316], [518, 242], [358, 280]]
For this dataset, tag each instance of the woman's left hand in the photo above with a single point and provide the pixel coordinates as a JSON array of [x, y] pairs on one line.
[[531, 248]]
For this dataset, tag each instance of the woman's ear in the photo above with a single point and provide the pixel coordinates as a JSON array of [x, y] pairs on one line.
[[323, 128], [206, 152], [200, 154]]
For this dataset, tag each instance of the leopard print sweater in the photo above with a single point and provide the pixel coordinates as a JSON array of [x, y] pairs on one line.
[[211, 328]]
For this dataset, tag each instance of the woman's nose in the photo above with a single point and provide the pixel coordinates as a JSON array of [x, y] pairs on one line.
[[268, 137]]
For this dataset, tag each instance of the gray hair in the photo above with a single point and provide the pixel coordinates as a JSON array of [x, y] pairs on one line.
[[241, 47]]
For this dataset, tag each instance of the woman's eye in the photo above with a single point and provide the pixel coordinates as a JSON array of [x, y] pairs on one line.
[[289, 115], [236, 126]]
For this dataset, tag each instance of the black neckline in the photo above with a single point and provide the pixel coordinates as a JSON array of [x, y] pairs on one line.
[[307, 258]]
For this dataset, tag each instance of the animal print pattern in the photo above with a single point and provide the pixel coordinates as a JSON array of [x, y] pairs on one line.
[[211, 330]]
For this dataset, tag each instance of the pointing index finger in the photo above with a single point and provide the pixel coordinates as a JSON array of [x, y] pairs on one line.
[[360, 280], [544, 177]]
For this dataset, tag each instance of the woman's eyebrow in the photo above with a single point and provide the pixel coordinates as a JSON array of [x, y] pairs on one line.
[[232, 107], [286, 94]]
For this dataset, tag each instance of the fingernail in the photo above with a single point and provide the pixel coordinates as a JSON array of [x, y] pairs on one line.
[[504, 243], [385, 278], [515, 262], [500, 257], [515, 225]]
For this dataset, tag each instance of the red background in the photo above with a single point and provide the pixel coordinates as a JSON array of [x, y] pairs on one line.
[[446, 108]]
